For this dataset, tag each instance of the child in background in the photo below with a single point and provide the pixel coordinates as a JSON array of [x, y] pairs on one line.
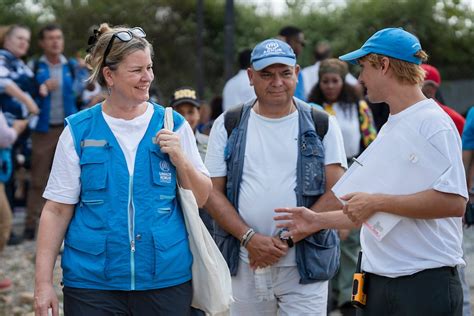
[[185, 102]]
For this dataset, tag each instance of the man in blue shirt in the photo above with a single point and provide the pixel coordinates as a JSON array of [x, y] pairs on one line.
[[55, 77]]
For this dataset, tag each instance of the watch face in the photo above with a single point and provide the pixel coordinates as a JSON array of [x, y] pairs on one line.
[[288, 239]]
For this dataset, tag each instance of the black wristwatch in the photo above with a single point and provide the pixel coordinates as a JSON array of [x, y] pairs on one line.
[[288, 239]]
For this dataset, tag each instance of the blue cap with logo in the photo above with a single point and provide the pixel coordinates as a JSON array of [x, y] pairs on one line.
[[392, 42], [272, 51]]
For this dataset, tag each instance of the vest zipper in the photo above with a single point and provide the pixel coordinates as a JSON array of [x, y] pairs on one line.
[[131, 233]]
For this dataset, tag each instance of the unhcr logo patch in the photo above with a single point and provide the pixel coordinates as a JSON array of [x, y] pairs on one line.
[[272, 48], [164, 166]]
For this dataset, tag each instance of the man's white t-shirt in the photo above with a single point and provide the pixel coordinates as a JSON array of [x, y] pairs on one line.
[[418, 244], [64, 185], [269, 173]]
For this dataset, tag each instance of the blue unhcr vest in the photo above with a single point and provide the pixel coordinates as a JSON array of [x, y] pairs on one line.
[[317, 256], [109, 245], [69, 96]]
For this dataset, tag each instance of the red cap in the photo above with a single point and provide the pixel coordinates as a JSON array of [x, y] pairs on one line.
[[431, 74]]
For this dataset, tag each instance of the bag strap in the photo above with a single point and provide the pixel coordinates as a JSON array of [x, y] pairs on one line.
[[169, 123]]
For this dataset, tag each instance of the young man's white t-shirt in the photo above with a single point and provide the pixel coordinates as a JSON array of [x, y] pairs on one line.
[[269, 173], [64, 185], [418, 244]]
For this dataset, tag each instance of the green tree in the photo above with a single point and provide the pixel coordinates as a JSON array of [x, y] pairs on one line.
[[443, 26]]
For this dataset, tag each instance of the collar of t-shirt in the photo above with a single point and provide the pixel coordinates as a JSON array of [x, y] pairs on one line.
[[62, 59], [410, 110]]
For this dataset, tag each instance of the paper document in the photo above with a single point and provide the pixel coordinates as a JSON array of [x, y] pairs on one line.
[[398, 162]]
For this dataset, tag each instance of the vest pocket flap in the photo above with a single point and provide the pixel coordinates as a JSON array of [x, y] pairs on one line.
[[326, 238], [92, 243], [93, 155], [166, 240], [157, 152]]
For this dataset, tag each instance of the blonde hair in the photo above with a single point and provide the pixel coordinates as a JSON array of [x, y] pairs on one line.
[[403, 71], [119, 50], [8, 30]]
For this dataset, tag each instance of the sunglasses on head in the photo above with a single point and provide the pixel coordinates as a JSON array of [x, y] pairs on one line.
[[124, 36]]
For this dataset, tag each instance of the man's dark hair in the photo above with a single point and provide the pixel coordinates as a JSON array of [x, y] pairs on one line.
[[244, 58], [290, 31], [48, 28]]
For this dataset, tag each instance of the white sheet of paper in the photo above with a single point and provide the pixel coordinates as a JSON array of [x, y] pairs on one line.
[[384, 167]]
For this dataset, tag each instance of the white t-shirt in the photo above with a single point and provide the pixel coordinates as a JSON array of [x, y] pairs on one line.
[[418, 244], [311, 77], [269, 174], [237, 90], [348, 119], [64, 185]]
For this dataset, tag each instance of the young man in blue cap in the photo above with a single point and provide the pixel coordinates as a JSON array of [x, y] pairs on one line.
[[412, 269], [273, 157]]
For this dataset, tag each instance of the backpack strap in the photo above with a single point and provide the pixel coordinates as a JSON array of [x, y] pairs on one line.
[[232, 118], [72, 69], [70, 65], [321, 121]]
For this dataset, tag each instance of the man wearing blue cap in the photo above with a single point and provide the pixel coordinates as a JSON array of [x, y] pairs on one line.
[[279, 152], [412, 269]]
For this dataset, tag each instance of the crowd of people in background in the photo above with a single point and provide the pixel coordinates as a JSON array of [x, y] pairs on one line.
[[38, 94]]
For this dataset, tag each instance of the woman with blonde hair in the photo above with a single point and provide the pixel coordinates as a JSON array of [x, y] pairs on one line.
[[112, 195]]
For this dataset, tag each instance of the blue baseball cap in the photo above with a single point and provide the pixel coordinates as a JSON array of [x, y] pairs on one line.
[[272, 51], [392, 42]]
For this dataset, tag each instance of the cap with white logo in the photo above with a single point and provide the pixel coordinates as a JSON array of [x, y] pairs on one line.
[[272, 51]]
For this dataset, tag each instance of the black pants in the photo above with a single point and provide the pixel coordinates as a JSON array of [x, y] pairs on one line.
[[429, 292], [175, 300]]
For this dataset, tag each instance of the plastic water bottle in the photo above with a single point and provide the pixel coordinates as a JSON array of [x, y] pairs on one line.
[[264, 284]]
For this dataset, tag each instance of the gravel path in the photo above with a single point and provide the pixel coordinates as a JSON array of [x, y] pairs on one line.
[[17, 263]]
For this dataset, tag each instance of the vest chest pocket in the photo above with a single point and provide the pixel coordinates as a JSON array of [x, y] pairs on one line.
[[94, 168], [163, 171], [313, 167]]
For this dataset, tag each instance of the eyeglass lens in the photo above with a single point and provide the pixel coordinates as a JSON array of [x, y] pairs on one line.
[[124, 36]]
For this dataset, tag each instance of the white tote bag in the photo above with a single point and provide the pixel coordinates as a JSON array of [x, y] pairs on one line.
[[212, 288]]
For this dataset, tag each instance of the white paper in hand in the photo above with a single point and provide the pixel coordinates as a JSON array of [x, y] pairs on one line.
[[399, 162]]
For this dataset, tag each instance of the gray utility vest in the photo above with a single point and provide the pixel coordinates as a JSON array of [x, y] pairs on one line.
[[317, 256]]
